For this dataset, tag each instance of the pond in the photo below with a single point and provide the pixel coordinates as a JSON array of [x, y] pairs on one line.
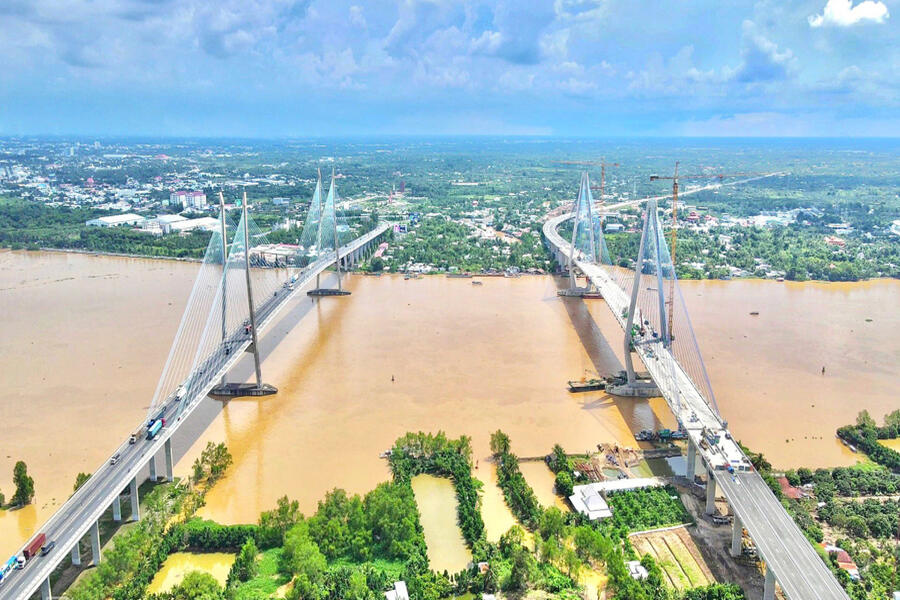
[[436, 498], [179, 564]]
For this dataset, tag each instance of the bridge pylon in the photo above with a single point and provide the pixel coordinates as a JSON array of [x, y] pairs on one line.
[[328, 232], [648, 251], [242, 390], [587, 238]]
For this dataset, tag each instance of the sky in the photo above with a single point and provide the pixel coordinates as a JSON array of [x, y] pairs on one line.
[[289, 68]]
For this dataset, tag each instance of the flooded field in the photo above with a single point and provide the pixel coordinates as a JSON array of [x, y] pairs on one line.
[[436, 498], [179, 564], [86, 338]]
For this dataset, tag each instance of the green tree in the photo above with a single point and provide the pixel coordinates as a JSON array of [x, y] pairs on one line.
[[558, 459], [864, 419], [80, 480], [24, 484], [245, 566], [553, 523], [499, 443], [273, 524], [301, 555], [523, 569], [197, 586], [564, 484], [377, 264]]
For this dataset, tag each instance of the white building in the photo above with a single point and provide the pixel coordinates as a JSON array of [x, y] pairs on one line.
[[166, 221], [116, 220], [398, 593], [636, 569], [188, 199], [207, 223]]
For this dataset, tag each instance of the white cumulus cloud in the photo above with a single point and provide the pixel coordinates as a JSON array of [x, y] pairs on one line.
[[842, 13]]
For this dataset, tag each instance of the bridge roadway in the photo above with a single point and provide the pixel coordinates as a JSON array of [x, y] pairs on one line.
[[79, 515], [799, 569]]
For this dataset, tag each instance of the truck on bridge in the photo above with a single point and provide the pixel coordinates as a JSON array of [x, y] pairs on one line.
[[154, 428], [32, 549]]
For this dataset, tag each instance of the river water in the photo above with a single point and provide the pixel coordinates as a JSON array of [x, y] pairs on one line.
[[85, 339]]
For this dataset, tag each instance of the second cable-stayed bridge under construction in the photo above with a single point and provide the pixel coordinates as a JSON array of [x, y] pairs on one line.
[[647, 303]]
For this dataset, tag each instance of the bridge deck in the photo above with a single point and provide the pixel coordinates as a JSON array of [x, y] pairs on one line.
[[73, 520], [800, 571]]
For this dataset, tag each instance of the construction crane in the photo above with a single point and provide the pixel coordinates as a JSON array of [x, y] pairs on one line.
[[675, 179], [601, 163]]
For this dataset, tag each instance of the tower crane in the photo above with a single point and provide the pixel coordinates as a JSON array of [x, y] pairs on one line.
[[601, 163], [675, 177]]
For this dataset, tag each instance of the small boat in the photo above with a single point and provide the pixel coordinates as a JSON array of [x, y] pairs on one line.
[[754, 313], [588, 385], [476, 282]]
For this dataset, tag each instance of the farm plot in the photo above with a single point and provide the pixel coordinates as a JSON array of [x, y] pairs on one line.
[[677, 556]]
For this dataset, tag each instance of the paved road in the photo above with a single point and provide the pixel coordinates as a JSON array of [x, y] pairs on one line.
[[799, 569], [68, 525]]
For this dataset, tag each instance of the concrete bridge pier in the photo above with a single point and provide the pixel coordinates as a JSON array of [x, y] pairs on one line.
[[710, 492], [46, 592], [135, 501], [769, 588], [737, 533], [117, 509], [95, 543], [76, 554], [691, 464], [152, 465], [169, 461]]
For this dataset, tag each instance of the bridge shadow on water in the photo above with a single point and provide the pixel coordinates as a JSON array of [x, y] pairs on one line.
[[210, 408], [636, 412]]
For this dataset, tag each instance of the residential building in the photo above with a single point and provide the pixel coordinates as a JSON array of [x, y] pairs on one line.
[[188, 199]]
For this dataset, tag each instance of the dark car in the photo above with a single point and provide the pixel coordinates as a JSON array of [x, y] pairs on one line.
[[45, 550]]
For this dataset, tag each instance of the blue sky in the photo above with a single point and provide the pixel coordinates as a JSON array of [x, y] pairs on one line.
[[278, 68]]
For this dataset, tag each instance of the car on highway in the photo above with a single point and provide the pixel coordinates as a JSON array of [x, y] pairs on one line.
[[114, 459], [20, 563], [45, 550]]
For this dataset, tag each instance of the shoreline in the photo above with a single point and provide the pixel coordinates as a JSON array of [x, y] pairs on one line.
[[446, 274]]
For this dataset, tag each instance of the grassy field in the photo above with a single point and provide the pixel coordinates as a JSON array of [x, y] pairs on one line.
[[677, 555]]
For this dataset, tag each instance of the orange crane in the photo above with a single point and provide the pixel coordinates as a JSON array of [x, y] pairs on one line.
[[675, 179], [603, 164]]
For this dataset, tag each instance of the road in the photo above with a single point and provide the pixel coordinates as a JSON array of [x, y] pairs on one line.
[[74, 519]]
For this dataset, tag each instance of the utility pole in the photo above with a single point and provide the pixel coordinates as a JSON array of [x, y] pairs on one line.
[[250, 293]]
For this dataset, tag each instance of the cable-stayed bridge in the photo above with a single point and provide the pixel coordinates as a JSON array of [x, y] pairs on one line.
[[219, 325], [644, 297]]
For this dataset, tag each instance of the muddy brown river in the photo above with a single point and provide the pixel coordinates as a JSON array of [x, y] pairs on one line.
[[85, 339]]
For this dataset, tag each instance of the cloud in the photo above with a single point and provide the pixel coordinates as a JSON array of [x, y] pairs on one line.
[[842, 13], [761, 60]]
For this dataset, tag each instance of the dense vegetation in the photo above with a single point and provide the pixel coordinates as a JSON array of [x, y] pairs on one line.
[[865, 435], [847, 481], [518, 494], [33, 225], [647, 508], [416, 453]]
